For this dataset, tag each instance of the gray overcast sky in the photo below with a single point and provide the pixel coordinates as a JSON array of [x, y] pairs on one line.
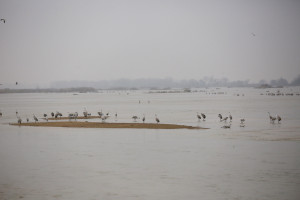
[[50, 40]]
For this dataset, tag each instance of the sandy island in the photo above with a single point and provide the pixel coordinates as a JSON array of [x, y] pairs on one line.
[[107, 125]]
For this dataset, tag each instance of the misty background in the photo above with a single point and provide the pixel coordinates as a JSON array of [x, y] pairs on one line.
[[107, 44]]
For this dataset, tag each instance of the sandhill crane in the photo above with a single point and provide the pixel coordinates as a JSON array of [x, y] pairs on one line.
[[242, 122], [35, 118], [100, 113], [3, 20], [104, 118], [230, 116], [73, 115], [19, 120], [272, 119], [226, 126], [278, 118], [220, 116], [156, 119], [135, 118], [58, 114], [203, 116], [144, 118], [116, 116], [198, 116], [225, 119]]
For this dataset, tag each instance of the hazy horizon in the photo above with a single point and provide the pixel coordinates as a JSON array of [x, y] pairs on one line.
[[48, 41]]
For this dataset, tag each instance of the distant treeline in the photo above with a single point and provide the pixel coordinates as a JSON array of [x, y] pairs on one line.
[[153, 83], [50, 90]]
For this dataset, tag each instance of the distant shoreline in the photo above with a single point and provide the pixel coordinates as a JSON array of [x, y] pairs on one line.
[[74, 124]]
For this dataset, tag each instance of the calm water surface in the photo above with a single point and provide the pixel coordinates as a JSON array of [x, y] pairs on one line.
[[258, 161]]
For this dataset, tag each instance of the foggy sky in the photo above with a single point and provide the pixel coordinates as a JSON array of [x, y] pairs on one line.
[[46, 41]]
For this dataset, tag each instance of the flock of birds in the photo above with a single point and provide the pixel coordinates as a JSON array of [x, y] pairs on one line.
[[105, 116]]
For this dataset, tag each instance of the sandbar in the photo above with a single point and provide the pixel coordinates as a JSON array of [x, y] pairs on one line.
[[77, 124]]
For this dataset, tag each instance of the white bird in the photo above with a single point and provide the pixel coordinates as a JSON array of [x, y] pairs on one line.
[[3, 20], [156, 119], [242, 121]]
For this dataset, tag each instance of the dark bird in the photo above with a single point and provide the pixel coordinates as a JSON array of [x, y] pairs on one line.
[[3, 20], [35, 118], [144, 118], [278, 118], [226, 126], [16, 83], [198, 116], [272, 119], [135, 118], [242, 121], [230, 117], [100, 113], [203, 116], [19, 120], [156, 119], [225, 119], [253, 34], [52, 114], [220, 116]]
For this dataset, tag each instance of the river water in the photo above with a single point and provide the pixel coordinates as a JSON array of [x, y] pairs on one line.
[[258, 161]]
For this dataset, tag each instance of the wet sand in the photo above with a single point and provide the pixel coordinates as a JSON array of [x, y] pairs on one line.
[[107, 125]]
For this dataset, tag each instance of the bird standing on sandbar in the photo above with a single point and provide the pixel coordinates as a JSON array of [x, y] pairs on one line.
[[198, 116], [203, 116], [35, 118], [278, 118], [156, 119], [220, 116]]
